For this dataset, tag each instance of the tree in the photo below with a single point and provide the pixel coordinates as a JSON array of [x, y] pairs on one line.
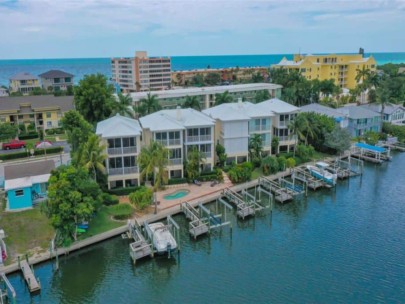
[[362, 74], [338, 140], [223, 98], [91, 156], [257, 77], [383, 97], [141, 198], [93, 98], [7, 131], [262, 96], [77, 129], [275, 142], [122, 105], [153, 160], [212, 78], [73, 197], [220, 151], [255, 148], [269, 165], [194, 158], [198, 80], [148, 105], [192, 102]]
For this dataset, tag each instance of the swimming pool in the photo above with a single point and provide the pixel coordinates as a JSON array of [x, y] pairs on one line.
[[177, 194]]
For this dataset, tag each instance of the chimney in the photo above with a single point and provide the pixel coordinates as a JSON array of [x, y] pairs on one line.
[[178, 113]]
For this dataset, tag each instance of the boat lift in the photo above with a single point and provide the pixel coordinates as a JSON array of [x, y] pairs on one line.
[[140, 247], [7, 287], [281, 194], [307, 178]]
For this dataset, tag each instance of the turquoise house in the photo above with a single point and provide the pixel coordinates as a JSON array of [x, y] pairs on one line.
[[26, 184]]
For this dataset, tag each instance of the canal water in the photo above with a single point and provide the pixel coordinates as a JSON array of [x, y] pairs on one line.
[[335, 246]]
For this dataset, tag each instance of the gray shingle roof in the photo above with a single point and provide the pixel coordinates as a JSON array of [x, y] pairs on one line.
[[65, 103], [388, 109], [356, 112], [28, 169], [320, 109], [55, 74], [23, 76]]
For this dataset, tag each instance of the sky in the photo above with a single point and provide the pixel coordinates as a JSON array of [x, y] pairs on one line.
[[110, 28]]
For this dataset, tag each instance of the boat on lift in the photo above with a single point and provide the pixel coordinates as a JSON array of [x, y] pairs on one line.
[[162, 239], [320, 171]]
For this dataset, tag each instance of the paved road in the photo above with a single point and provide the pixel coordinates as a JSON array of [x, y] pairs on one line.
[[54, 144]]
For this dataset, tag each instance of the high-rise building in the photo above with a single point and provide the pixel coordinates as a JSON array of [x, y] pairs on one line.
[[141, 73], [341, 68]]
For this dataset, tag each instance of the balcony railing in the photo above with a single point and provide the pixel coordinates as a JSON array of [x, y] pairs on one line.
[[169, 142], [175, 161], [122, 150], [123, 170], [259, 128], [198, 138], [287, 138], [284, 123]]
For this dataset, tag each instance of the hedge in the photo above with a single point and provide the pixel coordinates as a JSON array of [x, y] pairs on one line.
[[123, 191], [176, 181], [207, 178], [24, 154], [109, 199], [208, 173], [121, 211], [28, 136]]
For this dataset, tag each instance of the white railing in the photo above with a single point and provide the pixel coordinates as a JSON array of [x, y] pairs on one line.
[[123, 170], [112, 151], [174, 142], [260, 128], [129, 150], [120, 150], [175, 161], [199, 138], [284, 123]]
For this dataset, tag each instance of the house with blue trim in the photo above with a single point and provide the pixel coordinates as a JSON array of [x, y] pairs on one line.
[[361, 120], [342, 120], [26, 184]]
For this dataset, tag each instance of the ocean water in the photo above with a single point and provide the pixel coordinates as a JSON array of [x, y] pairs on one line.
[[82, 66], [335, 246]]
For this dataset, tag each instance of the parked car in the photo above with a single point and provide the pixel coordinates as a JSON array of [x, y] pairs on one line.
[[14, 144]]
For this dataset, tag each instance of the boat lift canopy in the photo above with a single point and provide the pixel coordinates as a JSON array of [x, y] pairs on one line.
[[371, 148]]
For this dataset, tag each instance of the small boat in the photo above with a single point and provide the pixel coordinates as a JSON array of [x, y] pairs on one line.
[[319, 171], [162, 239]]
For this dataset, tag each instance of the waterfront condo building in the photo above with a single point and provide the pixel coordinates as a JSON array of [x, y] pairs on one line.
[[141, 73], [179, 130], [206, 95], [236, 123], [43, 112], [122, 137], [342, 68], [56, 80], [392, 113], [24, 83]]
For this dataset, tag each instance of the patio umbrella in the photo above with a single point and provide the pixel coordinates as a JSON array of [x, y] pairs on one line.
[[44, 144]]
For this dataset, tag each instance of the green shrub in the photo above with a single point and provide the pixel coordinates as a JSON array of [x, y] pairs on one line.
[[24, 154], [121, 211], [270, 165], [141, 198], [176, 181], [207, 178], [109, 199], [123, 191], [220, 176], [28, 136], [281, 163], [305, 152], [290, 162], [50, 131], [207, 173], [240, 173], [59, 131]]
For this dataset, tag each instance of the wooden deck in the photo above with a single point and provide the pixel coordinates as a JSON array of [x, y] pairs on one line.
[[29, 277]]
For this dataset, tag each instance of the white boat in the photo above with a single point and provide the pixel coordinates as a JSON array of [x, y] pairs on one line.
[[319, 171], [163, 241]]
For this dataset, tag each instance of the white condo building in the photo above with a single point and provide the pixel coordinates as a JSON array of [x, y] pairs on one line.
[[180, 130], [122, 136]]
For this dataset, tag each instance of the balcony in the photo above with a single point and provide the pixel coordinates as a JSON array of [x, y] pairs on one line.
[[175, 161], [284, 123], [259, 128], [191, 139], [169, 142], [120, 150], [123, 170]]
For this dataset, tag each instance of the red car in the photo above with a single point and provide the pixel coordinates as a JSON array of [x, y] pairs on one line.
[[14, 144]]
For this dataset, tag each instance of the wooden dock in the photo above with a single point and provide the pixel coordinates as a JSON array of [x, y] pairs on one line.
[[28, 274], [140, 248], [197, 225], [244, 208], [281, 194]]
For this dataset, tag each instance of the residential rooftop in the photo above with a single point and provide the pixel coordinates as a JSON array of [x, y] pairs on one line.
[[357, 112], [55, 74], [23, 76], [37, 103], [118, 126], [28, 169], [277, 106], [321, 109], [388, 108], [207, 90]]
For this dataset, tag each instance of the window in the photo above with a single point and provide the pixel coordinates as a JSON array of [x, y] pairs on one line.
[[115, 162], [114, 143], [161, 136], [20, 116], [175, 173], [48, 114], [116, 184], [192, 132], [49, 123], [205, 131], [19, 192], [174, 135], [129, 161], [131, 182], [56, 80], [175, 153], [128, 142], [68, 79]]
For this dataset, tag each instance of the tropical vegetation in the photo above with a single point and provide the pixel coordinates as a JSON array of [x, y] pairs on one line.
[[147, 105]]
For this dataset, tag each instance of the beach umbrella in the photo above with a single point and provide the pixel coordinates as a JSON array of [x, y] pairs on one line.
[[43, 144]]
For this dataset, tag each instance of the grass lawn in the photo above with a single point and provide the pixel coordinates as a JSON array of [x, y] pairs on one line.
[[25, 230], [258, 172], [102, 222]]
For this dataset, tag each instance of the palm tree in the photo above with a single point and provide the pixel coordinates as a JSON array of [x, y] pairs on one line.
[[194, 158], [153, 159], [362, 74], [383, 97], [148, 105], [223, 98], [91, 155], [255, 146], [122, 105], [192, 102], [295, 127]]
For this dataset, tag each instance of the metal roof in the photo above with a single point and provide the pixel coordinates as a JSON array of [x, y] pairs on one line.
[[277, 106], [65, 103], [28, 169], [55, 74], [118, 126]]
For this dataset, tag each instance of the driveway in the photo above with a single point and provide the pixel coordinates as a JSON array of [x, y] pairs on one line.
[[64, 144]]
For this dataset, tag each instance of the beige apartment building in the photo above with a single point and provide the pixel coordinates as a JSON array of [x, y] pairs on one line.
[[141, 73]]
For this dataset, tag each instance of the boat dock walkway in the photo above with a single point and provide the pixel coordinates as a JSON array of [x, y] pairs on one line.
[[197, 225], [281, 194], [243, 208], [140, 247], [303, 175], [28, 273], [4, 297]]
